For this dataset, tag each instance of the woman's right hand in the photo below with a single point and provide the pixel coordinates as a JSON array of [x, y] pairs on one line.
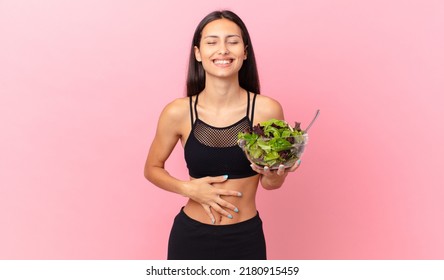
[[203, 192]]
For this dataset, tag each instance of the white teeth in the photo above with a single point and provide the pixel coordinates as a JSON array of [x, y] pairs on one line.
[[221, 62]]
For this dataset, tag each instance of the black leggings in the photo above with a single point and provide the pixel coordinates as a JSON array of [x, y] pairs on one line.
[[193, 240]]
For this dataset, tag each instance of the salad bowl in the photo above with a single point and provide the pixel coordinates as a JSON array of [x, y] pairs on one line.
[[273, 143]]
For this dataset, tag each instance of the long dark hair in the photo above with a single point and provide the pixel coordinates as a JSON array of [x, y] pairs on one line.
[[248, 74]]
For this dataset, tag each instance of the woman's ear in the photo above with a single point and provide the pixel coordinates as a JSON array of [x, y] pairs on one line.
[[197, 54], [245, 52]]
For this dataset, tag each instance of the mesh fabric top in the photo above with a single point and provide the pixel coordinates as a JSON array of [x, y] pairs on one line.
[[213, 151], [219, 137]]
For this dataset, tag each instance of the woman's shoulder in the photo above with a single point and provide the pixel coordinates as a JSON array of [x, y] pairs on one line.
[[262, 99], [267, 108], [177, 109]]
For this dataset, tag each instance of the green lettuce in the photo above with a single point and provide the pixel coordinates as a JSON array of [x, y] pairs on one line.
[[273, 142]]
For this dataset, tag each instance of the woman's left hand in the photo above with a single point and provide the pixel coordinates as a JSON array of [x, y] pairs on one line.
[[273, 179], [280, 171]]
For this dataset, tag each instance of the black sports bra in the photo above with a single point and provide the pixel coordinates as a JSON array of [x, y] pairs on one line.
[[213, 151]]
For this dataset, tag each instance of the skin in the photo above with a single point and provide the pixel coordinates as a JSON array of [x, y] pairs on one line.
[[214, 200]]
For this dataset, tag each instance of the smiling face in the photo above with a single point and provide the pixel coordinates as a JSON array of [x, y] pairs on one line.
[[222, 50]]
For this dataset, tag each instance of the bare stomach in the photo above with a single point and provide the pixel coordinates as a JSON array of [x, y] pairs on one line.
[[246, 203]]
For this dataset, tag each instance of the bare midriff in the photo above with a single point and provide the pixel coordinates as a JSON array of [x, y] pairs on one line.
[[246, 203]]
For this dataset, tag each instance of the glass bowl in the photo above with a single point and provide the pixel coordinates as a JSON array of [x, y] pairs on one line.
[[267, 151]]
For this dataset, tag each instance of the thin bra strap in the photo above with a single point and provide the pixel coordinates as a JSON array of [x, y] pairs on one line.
[[248, 104], [252, 108], [195, 106], [191, 111]]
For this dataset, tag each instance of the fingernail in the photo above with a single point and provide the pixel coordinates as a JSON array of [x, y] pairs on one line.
[[266, 168], [298, 162], [213, 221], [239, 194], [226, 176], [281, 167], [229, 216], [236, 210]]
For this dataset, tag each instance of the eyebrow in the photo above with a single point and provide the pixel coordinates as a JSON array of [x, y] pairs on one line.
[[215, 36]]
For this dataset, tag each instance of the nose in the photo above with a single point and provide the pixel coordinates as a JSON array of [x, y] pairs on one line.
[[223, 50]]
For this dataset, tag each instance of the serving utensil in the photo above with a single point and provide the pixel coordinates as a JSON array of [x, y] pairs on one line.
[[312, 121]]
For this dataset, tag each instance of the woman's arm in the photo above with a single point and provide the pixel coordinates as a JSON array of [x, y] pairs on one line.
[[167, 135]]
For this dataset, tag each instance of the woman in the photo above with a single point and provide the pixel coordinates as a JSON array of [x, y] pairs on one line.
[[220, 219]]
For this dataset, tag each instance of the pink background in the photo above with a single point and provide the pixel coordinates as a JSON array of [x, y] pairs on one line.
[[83, 82]]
